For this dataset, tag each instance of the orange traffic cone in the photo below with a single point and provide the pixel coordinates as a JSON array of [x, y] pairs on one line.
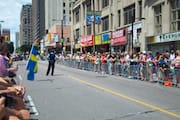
[[168, 83]]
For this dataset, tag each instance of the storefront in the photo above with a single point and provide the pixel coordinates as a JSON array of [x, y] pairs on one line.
[[87, 43], [118, 41], [164, 42], [106, 40]]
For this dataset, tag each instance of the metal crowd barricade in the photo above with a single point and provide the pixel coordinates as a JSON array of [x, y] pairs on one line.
[[140, 71]]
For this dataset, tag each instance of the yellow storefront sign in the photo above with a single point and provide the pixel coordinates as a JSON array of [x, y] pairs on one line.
[[98, 39]]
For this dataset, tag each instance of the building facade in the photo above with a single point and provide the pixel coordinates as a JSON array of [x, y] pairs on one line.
[[17, 36], [6, 33], [126, 25], [57, 21], [163, 25], [55, 11], [38, 19], [26, 35]]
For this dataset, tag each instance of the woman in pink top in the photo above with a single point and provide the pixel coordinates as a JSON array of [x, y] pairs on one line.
[[3, 61], [177, 67]]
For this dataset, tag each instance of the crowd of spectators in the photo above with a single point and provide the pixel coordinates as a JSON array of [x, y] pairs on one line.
[[12, 105], [145, 65]]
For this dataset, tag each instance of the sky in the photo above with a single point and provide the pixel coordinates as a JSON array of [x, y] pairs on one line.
[[10, 14]]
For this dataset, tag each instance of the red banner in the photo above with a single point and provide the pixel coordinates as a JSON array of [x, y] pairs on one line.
[[86, 40], [118, 37]]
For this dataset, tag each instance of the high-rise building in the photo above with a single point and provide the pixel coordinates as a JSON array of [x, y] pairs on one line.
[[6, 34], [38, 19], [55, 11], [17, 44], [58, 24], [26, 25]]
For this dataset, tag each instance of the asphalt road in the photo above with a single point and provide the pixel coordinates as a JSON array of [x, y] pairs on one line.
[[73, 94]]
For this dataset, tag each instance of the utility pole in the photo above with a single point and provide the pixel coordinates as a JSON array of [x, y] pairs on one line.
[[62, 33], [94, 17], [132, 35]]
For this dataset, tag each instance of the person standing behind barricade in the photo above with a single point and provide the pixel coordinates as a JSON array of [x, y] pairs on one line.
[[142, 65], [163, 68], [109, 63], [117, 64], [123, 61], [150, 66], [103, 63], [97, 63], [111, 59], [51, 65], [177, 68]]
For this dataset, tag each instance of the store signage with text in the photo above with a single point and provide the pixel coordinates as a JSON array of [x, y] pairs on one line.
[[106, 38], [168, 37], [98, 39], [118, 37], [86, 40]]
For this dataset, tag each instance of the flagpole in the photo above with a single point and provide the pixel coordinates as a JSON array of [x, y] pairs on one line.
[[21, 79]]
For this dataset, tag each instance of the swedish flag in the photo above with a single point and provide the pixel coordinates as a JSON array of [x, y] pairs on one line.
[[32, 64]]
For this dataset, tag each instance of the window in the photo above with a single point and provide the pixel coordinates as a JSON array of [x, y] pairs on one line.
[[138, 35], [77, 16], [129, 14], [175, 15], [105, 3], [77, 35], [64, 4], [158, 18], [140, 9], [105, 23], [119, 18], [88, 29], [64, 11], [88, 5]]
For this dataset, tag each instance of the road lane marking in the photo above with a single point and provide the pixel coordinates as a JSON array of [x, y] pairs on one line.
[[33, 107], [127, 97]]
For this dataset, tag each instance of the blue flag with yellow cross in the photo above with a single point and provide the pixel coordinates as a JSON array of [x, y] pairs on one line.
[[32, 64]]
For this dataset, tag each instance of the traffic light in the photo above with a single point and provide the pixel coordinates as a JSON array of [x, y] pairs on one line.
[[6, 37]]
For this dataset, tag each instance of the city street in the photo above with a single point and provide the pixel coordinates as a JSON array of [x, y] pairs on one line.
[[73, 94]]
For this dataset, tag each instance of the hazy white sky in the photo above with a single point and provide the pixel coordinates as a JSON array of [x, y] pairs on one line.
[[10, 14]]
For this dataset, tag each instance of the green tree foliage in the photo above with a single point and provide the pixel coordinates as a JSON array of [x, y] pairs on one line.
[[11, 47], [23, 49]]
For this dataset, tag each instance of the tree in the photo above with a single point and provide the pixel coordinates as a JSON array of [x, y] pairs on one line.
[[18, 50], [23, 49], [11, 47]]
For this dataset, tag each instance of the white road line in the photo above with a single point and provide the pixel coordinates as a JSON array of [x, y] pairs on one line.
[[33, 107]]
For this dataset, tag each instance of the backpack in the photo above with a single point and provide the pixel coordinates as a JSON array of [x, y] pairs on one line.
[[52, 56]]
